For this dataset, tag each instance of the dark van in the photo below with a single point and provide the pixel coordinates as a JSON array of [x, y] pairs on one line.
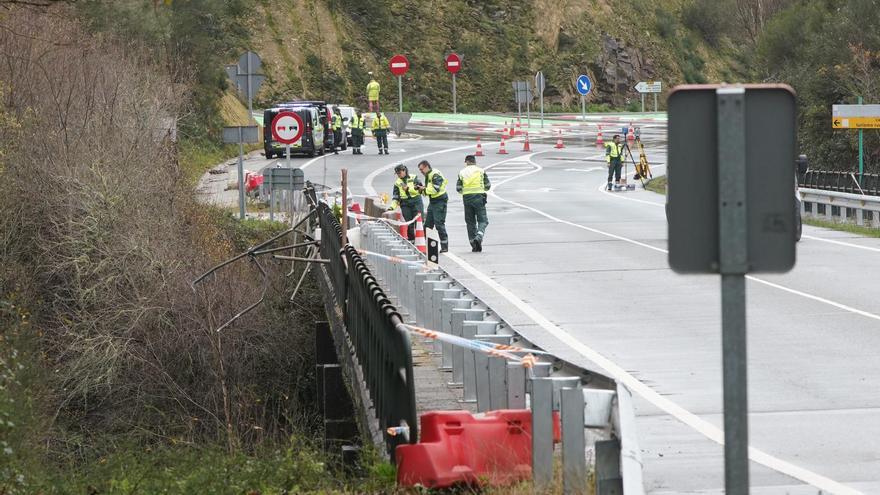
[[312, 141]]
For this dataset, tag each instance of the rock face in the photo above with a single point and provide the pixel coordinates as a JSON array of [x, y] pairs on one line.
[[618, 69]]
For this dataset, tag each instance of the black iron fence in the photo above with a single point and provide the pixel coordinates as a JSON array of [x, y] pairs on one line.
[[374, 330], [830, 180]]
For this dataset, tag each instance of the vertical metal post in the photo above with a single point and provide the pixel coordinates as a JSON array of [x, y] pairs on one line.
[[345, 208], [240, 173], [574, 462], [643, 102], [271, 197], [655, 102], [583, 109], [400, 93], [454, 96], [541, 91], [733, 258], [248, 92], [542, 433], [861, 154], [528, 104]]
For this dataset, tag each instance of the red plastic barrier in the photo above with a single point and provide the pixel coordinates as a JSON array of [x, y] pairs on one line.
[[459, 448], [252, 181]]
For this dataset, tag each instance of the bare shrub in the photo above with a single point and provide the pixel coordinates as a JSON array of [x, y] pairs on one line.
[[99, 229]]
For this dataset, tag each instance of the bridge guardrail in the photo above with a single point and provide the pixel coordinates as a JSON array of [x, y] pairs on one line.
[[841, 206], [839, 181], [369, 326]]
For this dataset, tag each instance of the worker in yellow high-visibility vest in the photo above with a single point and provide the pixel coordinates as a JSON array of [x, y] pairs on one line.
[[373, 93], [473, 184], [380, 128], [357, 133], [435, 190], [614, 157]]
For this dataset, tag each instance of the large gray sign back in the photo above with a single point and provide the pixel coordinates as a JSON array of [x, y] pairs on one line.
[[693, 190], [398, 121]]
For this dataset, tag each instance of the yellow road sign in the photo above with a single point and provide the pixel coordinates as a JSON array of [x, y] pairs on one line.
[[855, 122]]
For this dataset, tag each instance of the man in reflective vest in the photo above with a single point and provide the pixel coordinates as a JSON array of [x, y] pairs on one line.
[[473, 183], [614, 157], [373, 93], [337, 131], [357, 133], [435, 190], [380, 131], [407, 195]]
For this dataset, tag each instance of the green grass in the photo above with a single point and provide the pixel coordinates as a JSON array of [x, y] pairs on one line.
[[843, 227], [657, 184]]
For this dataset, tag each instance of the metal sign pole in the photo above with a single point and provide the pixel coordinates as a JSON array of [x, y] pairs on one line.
[[542, 106], [733, 258], [655, 102], [240, 173], [861, 153], [290, 194], [454, 96], [271, 198], [643, 102], [583, 109], [529, 109], [289, 165], [400, 93]]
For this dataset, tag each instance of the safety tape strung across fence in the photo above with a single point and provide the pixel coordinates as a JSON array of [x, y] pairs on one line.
[[493, 350], [397, 223]]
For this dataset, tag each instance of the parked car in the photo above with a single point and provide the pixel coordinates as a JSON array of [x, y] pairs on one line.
[[312, 141], [347, 112]]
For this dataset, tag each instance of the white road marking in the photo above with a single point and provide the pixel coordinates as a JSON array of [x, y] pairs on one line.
[[368, 181], [841, 243], [700, 425]]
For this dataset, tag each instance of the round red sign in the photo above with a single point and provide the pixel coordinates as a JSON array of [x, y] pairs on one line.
[[398, 65], [287, 127], [453, 63]]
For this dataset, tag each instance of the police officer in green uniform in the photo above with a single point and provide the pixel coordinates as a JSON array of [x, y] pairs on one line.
[[473, 183], [408, 196], [614, 157], [337, 131], [380, 131], [435, 190], [357, 133]]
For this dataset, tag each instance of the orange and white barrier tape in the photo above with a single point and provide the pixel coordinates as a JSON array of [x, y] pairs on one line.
[[527, 361]]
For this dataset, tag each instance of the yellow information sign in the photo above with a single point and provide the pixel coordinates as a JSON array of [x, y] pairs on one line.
[[855, 122]]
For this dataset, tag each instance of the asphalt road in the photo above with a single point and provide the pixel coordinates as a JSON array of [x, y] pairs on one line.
[[583, 273]]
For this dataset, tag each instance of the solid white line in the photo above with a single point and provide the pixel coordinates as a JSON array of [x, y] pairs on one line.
[[841, 243]]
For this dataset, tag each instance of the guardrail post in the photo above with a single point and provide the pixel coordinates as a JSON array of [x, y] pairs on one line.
[[516, 386], [860, 216], [446, 307], [491, 377], [574, 462], [433, 299], [422, 279], [542, 433], [474, 329], [456, 354]]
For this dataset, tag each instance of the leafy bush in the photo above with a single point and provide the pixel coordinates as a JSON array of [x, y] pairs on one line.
[[709, 18]]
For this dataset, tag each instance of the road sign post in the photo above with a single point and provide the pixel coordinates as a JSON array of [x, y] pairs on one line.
[[241, 135], [539, 84], [399, 65], [583, 86], [453, 65], [730, 212], [861, 153], [856, 117], [287, 128]]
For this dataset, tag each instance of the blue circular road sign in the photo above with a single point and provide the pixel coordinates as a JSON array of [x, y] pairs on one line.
[[584, 85]]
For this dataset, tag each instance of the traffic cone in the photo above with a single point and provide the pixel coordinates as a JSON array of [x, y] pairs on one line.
[[504, 131], [479, 148], [518, 125], [599, 141], [403, 229], [631, 133], [501, 149], [512, 130], [526, 146], [559, 144], [420, 243]]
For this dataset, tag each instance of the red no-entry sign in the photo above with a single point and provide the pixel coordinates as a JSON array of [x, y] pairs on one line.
[[453, 63], [287, 127], [398, 65]]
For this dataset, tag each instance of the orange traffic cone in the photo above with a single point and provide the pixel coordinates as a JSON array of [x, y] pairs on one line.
[[420, 243], [501, 149], [518, 125], [504, 131], [512, 130], [559, 144], [403, 229], [526, 146], [479, 147], [631, 133], [599, 141]]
